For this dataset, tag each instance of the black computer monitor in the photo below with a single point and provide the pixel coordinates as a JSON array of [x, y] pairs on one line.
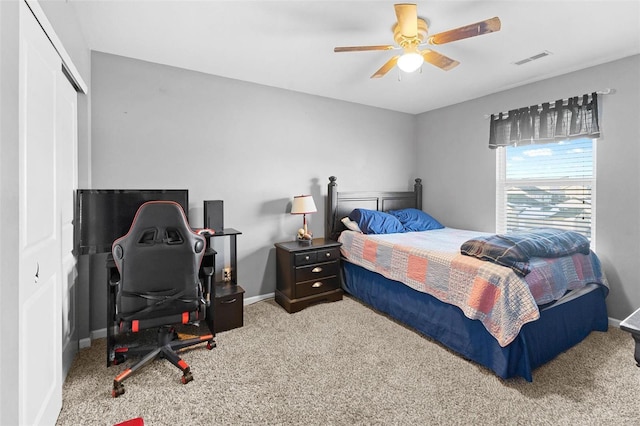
[[102, 215]]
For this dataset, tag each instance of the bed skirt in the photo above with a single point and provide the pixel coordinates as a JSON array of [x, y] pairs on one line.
[[559, 327]]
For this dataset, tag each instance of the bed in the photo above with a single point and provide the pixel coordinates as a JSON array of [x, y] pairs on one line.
[[531, 339]]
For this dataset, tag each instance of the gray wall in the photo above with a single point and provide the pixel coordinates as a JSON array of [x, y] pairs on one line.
[[253, 146], [458, 169]]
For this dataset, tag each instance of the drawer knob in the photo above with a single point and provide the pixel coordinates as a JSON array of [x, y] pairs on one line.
[[317, 269], [328, 254], [306, 258], [316, 284]]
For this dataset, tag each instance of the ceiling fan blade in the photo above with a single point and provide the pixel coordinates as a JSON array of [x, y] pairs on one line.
[[386, 67], [439, 60], [362, 48], [471, 30], [407, 15]]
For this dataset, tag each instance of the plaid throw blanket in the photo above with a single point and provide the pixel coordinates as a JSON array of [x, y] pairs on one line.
[[514, 250]]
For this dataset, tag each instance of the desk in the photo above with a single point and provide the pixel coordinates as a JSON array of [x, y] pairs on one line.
[[113, 276], [227, 307], [632, 325], [207, 270]]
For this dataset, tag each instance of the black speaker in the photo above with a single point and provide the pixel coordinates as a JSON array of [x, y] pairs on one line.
[[214, 215]]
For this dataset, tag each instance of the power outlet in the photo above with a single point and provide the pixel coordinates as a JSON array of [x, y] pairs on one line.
[[226, 274]]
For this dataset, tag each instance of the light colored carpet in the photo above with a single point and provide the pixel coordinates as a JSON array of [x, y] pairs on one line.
[[342, 363]]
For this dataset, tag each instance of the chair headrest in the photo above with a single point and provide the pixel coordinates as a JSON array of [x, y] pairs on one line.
[[159, 222]]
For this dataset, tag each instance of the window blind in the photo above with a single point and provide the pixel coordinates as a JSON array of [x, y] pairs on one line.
[[549, 185]]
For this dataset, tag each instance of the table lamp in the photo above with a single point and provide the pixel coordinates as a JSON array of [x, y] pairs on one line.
[[303, 204]]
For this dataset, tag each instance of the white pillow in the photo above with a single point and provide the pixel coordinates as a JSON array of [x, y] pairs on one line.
[[350, 224]]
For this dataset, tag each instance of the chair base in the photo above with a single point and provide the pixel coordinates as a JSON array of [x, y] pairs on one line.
[[166, 347]]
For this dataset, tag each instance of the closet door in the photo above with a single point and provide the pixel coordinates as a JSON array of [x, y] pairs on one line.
[[67, 183], [42, 90]]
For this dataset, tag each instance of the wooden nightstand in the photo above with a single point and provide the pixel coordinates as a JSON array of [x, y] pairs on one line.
[[307, 274]]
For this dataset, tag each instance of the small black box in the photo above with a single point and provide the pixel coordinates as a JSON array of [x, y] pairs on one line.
[[228, 307], [214, 215]]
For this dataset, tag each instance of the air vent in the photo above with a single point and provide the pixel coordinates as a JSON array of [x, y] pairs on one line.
[[533, 58]]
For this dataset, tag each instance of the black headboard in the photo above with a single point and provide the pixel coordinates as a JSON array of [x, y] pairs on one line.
[[340, 204]]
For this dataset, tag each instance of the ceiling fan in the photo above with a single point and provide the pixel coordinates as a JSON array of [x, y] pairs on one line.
[[410, 32]]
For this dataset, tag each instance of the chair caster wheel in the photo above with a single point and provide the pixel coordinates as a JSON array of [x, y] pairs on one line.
[[119, 359], [117, 390], [186, 378]]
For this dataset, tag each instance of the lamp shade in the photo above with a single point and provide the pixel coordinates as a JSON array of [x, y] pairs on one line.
[[303, 204]]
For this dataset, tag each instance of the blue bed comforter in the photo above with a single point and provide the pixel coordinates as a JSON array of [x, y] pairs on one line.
[[515, 249]]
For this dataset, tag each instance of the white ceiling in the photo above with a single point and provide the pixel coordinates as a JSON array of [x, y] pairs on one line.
[[289, 44]]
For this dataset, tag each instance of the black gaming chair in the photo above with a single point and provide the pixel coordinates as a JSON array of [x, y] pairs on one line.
[[157, 285]]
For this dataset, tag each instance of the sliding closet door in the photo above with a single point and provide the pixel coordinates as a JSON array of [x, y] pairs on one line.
[[43, 186], [67, 183]]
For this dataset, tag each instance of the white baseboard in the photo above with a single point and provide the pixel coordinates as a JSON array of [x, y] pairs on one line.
[[254, 299], [101, 333], [95, 334], [614, 322]]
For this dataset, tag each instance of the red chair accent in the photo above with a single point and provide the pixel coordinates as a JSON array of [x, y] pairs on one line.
[[138, 421]]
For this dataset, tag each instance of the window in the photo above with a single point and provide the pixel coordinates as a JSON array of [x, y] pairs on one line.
[[547, 185]]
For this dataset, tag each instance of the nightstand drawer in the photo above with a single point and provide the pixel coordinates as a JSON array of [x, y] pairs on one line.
[[305, 258], [317, 271], [328, 254], [309, 288]]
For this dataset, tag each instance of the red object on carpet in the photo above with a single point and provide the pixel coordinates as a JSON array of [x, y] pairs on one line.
[[133, 422]]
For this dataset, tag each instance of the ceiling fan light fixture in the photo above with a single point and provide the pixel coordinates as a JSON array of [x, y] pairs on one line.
[[409, 33], [410, 61]]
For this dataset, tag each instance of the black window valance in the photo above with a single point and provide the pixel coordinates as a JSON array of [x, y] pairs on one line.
[[571, 118]]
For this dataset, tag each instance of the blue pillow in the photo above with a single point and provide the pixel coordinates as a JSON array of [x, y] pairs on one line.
[[375, 222], [416, 220]]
